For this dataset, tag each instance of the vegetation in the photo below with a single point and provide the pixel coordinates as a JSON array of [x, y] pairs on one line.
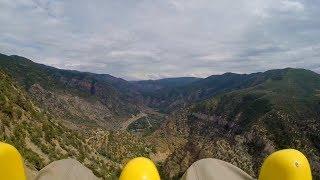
[[146, 125], [41, 139], [44, 82], [239, 118], [282, 111]]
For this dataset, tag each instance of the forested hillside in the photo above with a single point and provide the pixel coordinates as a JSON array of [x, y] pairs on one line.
[[103, 121], [244, 126], [41, 139], [97, 100]]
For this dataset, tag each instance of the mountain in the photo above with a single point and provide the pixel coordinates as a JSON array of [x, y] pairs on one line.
[[41, 138], [77, 98], [103, 121], [36, 135], [180, 96], [150, 86], [260, 113]]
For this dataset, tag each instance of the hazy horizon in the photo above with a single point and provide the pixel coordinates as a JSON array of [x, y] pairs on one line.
[[173, 77], [140, 40]]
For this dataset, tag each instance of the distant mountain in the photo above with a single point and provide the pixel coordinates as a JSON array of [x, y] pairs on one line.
[[239, 118], [98, 100], [260, 113], [152, 86], [175, 97]]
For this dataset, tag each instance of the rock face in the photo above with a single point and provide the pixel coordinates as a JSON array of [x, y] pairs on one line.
[[245, 126], [66, 169], [79, 98], [238, 118], [41, 139], [73, 109]]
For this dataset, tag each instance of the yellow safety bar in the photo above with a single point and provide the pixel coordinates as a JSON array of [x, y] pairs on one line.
[[11, 164], [288, 164], [140, 169]]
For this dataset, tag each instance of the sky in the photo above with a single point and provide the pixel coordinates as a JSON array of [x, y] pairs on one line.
[[152, 39]]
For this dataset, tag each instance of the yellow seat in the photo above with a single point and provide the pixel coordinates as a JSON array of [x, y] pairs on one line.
[[288, 164], [11, 164], [140, 169]]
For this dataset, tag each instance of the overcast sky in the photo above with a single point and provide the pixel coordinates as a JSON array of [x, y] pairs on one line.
[[151, 39]]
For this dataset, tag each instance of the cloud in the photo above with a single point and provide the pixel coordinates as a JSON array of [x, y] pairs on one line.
[[130, 53], [291, 6], [163, 38]]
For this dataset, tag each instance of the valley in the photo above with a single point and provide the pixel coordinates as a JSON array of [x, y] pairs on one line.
[[104, 121], [132, 120]]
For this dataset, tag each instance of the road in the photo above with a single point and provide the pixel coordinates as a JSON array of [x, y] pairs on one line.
[[131, 120]]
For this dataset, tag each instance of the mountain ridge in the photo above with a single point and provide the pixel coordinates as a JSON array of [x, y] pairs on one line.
[[41, 138], [117, 100], [239, 118], [244, 126]]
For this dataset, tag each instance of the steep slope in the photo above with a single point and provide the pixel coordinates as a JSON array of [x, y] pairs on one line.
[[37, 136], [244, 126], [239, 118], [41, 139], [80, 98]]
